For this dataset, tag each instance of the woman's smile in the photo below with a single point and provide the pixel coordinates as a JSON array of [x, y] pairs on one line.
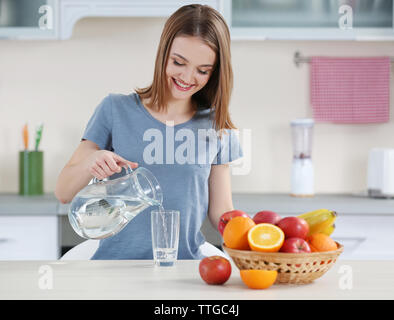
[[180, 85]]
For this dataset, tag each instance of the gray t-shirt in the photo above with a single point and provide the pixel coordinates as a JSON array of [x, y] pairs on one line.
[[179, 156]]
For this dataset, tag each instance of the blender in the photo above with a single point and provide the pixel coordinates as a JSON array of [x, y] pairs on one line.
[[302, 174]]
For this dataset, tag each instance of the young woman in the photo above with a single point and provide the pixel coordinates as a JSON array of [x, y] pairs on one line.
[[154, 127]]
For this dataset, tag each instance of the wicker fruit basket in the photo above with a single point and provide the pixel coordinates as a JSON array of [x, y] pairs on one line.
[[297, 268]]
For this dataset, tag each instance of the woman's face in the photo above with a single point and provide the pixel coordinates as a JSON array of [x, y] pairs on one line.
[[190, 65]]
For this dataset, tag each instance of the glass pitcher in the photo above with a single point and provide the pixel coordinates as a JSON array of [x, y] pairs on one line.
[[104, 207]]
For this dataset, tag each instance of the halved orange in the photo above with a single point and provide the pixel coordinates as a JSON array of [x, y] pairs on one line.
[[258, 279], [265, 237]]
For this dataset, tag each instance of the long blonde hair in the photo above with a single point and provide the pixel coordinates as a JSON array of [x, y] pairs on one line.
[[206, 23]]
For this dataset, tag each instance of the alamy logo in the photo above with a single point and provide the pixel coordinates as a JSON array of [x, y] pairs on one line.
[[204, 147], [46, 20], [346, 20], [45, 279], [346, 280]]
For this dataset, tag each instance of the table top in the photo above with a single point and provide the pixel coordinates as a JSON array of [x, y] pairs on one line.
[[141, 280]]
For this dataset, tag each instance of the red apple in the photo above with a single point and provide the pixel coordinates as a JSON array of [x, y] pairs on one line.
[[295, 245], [266, 217], [294, 227], [226, 217], [215, 269]]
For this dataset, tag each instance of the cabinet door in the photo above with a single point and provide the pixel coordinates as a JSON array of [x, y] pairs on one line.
[[365, 237], [310, 20], [29, 238], [71, 10]]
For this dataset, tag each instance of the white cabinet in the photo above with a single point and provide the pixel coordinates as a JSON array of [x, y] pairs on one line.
[[21, 19], [310, 20], [365, 237], [28, 19], [29, 238], [73, 10]]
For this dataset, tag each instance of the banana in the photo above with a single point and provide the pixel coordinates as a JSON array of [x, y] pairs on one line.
[[329, 230], [320, 220]]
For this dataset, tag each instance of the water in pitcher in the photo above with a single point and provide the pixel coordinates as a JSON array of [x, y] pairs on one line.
[[98, 218]]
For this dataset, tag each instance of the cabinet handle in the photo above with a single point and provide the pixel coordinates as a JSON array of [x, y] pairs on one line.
[[3, 240], [356, 239], [350, 243]]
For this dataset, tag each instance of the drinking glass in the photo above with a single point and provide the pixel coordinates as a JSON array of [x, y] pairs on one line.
[[165, 236]]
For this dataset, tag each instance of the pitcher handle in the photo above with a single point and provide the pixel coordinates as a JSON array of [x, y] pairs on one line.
[[95, 180], [131, 170]]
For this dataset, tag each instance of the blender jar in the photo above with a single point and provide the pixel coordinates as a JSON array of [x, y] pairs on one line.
[[302, 179], [302, 130]]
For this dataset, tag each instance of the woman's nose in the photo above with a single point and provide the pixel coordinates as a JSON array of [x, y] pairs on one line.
[[188, 76]]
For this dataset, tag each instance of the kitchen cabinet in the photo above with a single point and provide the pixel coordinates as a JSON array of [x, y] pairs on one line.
[[365, 237], [28, 19], [29, 227], [65, 13], [310, 20], [71, 10], [29, 238]]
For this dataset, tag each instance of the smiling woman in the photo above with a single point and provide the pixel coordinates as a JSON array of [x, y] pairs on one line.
[[167, 128], [194, 49]]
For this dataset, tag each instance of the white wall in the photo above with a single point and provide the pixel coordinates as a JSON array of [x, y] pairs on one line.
[[61, 82]]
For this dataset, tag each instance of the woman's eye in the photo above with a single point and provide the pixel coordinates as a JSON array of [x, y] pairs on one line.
[[181, 64]]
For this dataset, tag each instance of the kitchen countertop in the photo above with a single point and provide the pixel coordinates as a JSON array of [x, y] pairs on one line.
[[141, 280], [348, 204], [14, 204]]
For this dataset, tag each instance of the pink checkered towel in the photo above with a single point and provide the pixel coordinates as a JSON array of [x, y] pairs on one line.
[[350, 90]]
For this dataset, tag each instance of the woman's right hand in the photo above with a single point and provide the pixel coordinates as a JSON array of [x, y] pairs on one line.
[[103, 163]]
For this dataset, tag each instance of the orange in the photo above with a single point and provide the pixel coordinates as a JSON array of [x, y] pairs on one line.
[[319, 242], [265, 237], [235, 234], [258, 279]]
